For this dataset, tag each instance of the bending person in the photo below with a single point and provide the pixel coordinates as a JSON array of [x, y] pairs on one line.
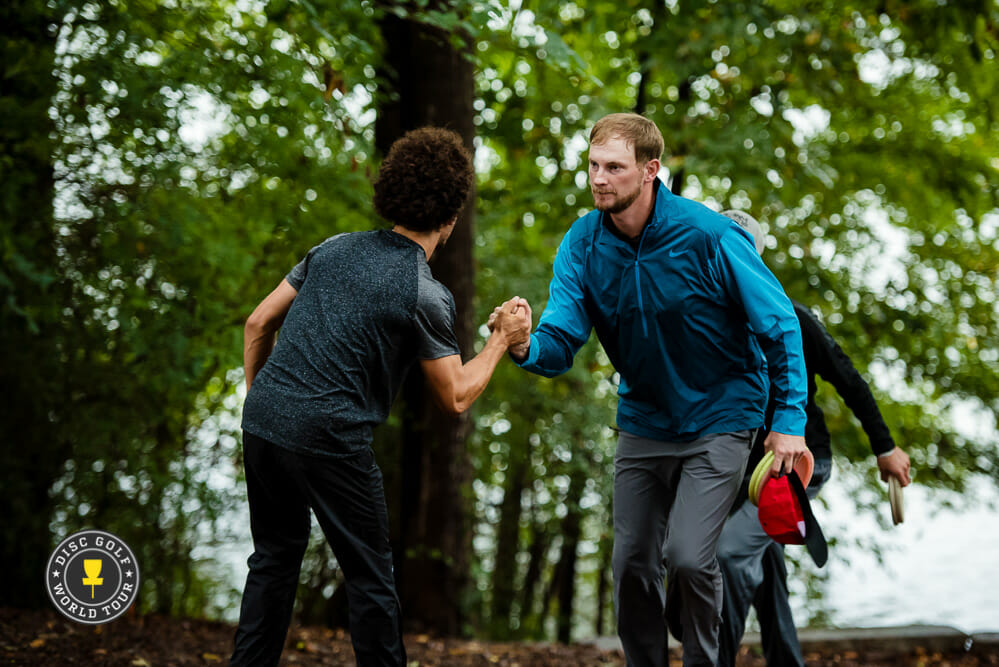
[[752, 563], [354, 315]]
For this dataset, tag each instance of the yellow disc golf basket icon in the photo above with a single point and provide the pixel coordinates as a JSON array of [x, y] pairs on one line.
[[92, 566]]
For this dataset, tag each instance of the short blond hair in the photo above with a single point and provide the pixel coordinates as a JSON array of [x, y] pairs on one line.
[[636, 130]]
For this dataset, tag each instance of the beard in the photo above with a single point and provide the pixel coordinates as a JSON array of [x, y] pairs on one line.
[[619, 202]]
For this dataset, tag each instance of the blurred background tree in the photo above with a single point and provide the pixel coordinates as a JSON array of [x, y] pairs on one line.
[[164, 166], [161, 169]]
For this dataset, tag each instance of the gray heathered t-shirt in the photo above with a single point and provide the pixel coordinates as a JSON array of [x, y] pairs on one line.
[[367, 308]]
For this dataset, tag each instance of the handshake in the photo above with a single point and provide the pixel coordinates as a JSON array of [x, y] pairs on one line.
[[512, 320]]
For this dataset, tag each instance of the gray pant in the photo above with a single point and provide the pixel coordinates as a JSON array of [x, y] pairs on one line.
[[753, 568], [669, 510]]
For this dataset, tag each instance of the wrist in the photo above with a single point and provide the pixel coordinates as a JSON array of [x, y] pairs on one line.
[[499, 338], [520, 351]]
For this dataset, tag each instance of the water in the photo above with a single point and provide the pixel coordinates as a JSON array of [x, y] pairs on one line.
[[941, 566]]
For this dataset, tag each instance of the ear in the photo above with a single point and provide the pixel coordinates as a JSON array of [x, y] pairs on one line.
[[652, 168]]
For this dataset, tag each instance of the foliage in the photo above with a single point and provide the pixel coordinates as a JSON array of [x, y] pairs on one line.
[[863, 137], [164, 166], [30, 296], [192, 166]]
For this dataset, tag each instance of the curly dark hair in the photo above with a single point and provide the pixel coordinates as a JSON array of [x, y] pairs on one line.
[[424, 180]]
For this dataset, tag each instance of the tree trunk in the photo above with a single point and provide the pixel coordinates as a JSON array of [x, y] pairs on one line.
[[572, 526], [508, 541], [646, 59], [31, 301], [535, 564], [551, 590], [431, 83], [604, 581]]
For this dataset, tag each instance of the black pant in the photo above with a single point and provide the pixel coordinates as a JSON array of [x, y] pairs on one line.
[[348, 498], [754, 573]]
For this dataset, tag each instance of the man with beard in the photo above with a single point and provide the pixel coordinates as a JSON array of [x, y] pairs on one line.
[[698, 329]]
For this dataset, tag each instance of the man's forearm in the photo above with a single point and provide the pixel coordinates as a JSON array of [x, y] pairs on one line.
[[478, 371], [262, 326], [257, 347]]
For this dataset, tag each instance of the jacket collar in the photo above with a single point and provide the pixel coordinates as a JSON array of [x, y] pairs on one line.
[[664, 199], [608, 232]]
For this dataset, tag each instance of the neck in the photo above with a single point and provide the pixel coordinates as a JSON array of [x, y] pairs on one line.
[[631, 221], [427, 240]]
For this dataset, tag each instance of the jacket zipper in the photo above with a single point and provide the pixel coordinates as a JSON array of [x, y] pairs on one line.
[[638, 283]]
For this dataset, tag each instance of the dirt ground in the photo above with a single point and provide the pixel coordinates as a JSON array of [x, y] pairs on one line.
[[46, 638]]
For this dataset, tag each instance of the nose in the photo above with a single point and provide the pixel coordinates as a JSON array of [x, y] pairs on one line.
[[597, 176]]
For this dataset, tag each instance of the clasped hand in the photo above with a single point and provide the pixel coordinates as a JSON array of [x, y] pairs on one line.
[[513, 320]]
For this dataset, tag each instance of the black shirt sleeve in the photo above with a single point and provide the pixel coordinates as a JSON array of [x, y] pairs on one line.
[[296, 277], [434, 318], [824, 357]]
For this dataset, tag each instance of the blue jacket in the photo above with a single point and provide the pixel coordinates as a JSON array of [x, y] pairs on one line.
[[690, 316]]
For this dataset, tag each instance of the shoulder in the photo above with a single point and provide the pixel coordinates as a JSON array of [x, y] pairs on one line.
[[330, 244], [317, 256], [687, 224], [581, 236], [371, 237], [692, 218], [344, 238], [431, 294], [583, 229]]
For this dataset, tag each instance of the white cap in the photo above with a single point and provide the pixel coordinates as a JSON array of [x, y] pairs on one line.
[[750, 224]]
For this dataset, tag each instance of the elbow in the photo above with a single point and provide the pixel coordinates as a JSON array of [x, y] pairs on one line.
[[455, 407], [449, 403], [256, 327], [253, 325], [250, 331]]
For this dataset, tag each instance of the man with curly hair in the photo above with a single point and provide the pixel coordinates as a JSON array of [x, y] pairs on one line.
[[354, 315]]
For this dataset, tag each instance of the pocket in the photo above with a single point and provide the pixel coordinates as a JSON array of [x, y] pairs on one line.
[[729, 452]]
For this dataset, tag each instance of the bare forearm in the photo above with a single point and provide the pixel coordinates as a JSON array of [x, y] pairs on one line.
[[454, 385], [262, 326], [476, 373], [257, 347]]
